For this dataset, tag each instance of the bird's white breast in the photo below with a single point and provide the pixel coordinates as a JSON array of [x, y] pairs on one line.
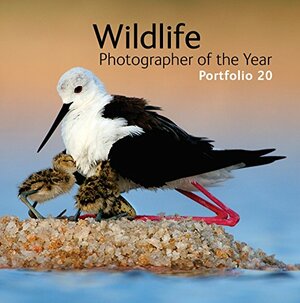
[[88, 137]]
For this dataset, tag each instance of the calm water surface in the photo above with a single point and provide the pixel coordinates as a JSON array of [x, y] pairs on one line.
[[139, 286]]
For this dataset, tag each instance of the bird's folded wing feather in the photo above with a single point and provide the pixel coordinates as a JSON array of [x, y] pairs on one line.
[[165, 152]]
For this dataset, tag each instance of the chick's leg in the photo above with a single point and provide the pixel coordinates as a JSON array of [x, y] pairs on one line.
[[23, 197]]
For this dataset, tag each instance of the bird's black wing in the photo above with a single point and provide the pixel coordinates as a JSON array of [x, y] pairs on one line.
[[156, 157], [165, 152], [162, 153]]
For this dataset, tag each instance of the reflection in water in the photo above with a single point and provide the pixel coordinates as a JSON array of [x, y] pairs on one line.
[[84, 286]]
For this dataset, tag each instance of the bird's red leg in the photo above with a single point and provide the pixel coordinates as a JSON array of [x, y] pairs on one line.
[[218, 211], [225, 215], [233, 217]]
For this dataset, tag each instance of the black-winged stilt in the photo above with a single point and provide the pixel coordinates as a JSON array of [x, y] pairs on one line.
[[146, 149]]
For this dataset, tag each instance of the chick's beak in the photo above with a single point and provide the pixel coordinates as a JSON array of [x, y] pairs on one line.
[[63, 111]]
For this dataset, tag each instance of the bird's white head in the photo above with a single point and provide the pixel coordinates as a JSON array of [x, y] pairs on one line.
[[77, 87]]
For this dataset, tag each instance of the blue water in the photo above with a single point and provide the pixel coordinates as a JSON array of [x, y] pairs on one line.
[[138, 286]]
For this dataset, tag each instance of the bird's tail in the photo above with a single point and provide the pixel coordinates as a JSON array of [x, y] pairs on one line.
[[248, 157]]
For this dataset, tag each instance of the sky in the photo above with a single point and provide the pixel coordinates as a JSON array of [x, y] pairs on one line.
[[41, 40]]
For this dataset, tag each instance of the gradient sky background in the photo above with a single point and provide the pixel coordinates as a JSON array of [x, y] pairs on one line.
[[41, 40]]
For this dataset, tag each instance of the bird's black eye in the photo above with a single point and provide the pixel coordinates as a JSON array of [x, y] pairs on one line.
[[77, 89]]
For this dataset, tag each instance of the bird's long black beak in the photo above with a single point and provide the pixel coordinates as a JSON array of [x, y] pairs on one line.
[[63, 111]]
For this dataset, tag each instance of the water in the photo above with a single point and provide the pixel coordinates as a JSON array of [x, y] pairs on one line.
[[139, 286]]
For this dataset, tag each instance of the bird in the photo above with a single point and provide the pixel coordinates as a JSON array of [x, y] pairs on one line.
[[145, 148], [99, 194], [48, 183]]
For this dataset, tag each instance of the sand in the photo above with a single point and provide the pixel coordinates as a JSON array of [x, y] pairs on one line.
[[184, 245]]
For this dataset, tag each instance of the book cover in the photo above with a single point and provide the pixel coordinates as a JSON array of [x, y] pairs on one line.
[[225, 70]]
